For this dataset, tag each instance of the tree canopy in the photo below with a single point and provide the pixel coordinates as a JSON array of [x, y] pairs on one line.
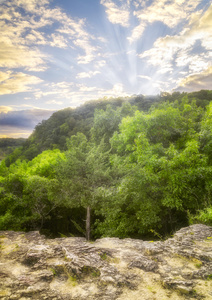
[[131, 172]]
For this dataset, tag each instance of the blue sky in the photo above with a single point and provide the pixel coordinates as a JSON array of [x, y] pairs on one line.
[[61, 53]]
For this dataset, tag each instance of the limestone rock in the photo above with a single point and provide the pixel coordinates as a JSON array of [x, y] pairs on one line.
[[33, 267]]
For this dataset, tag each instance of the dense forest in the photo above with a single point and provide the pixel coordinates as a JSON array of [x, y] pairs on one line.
[[8, 145], [113, 167], [52, 133]]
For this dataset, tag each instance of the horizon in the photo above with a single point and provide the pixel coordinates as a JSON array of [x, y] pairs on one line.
[[59, 54], [38, 112]]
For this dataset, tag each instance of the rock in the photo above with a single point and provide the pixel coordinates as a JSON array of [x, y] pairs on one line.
[[145, 264], [33, 267], [184, 289]]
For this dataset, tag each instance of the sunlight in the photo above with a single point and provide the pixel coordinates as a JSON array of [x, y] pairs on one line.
[[72, 52]]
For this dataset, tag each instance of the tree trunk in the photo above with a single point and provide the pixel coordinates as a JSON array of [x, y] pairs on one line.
[[88, 224]]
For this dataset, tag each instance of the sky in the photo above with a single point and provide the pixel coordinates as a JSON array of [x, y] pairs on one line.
[[61, 53]]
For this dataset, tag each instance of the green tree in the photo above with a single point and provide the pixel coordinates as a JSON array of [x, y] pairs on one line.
[[163, 172], [106, 122], [81, 174], [25, 187]]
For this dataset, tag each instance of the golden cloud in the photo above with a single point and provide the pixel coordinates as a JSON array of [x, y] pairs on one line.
[[171, 13], [178, 48], [5, 109], [15, 56], [196, 82], [16, 82]]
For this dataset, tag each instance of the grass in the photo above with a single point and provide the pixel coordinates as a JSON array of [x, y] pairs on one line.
[[53, 271], [151, 289], [72, 280], [95, 273], [198, 265], [196, 261], [91, 271], [103, 256]]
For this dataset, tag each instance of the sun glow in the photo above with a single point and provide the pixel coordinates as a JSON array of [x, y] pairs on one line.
[[71, 53]]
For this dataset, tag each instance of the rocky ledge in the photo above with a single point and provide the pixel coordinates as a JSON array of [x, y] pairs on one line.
[[33, 267]]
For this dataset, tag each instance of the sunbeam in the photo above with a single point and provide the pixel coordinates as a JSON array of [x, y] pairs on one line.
[[61, 54]]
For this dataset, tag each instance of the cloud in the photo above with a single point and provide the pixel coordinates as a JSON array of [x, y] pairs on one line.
[[170, 13], [179, 49], [17, 31], [117, 14], [84, 88], [16, 56], [87, 74], [30, 5], [88, 49], [73, 34], [117, 90], [201, 81], [17, 124], [137, 32], [196, 63], [58, 41], [85, 59], [159, 56], [139, 3], [76, 94], [4, 76], [54, 102], [144, 77], [23, 30], [5, 109], [11, 83], [36, 38], [100, 63], [25, 119], [199, 28], [11, 132], [59, 90]]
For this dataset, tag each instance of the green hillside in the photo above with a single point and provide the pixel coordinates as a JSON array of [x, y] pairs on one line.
[[118, 167], [8, 145], [52, 133]]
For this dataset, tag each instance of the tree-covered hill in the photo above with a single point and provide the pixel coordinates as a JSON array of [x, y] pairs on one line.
[[52, 133], [129, 167], [8, 145]]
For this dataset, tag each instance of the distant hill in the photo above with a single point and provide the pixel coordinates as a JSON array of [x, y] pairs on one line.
[[52, 133], [8, 145]]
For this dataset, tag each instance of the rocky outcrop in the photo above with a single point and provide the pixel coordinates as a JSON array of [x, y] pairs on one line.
[[33, 267]]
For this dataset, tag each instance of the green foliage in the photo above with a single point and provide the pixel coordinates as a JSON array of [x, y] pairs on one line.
[[26, 201], [165, 171], [202, 216], [106, 122], [8, 145], [141, 170]]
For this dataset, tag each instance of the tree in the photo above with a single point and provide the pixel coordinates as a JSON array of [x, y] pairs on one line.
[[163, 172], [106, 122], [81, 174], [25, 187]]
